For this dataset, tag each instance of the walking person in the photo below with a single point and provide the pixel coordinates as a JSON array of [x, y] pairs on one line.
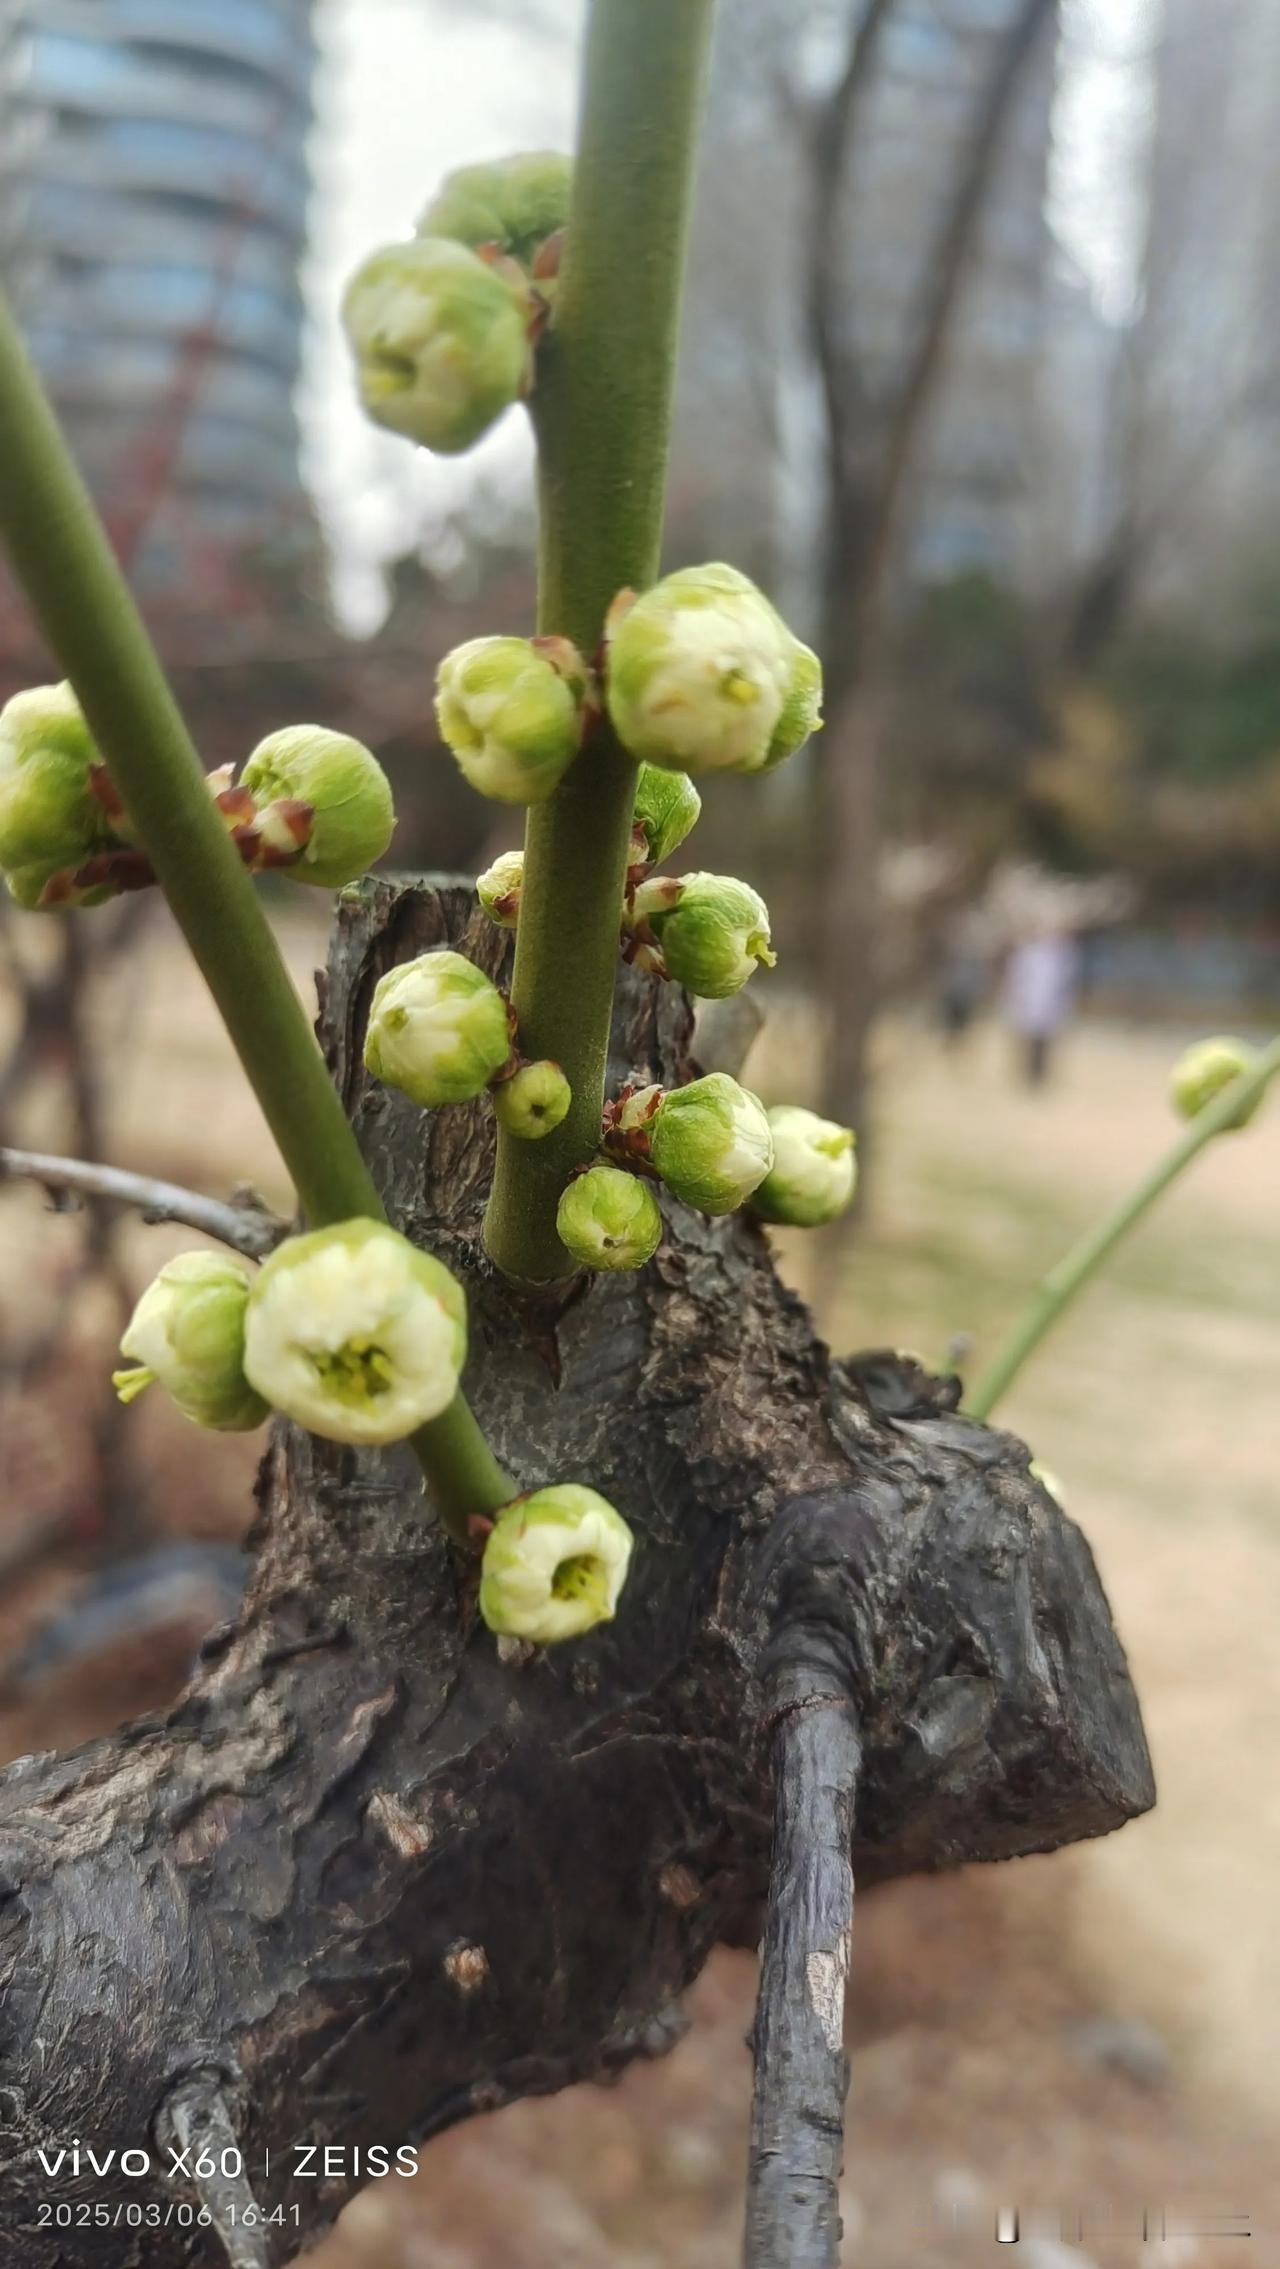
[[1041, 985]]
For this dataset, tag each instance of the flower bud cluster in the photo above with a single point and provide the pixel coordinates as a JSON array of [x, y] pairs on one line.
[[315, 803]]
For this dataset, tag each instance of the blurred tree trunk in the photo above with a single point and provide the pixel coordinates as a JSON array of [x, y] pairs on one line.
[[865, 490]]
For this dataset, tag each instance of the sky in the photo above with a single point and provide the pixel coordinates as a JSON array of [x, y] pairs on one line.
[[410, 89]]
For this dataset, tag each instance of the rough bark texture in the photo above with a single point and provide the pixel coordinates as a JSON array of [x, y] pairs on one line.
[[381, 1879]]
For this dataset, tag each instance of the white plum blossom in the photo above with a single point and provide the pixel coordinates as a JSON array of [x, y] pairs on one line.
[[355, 1333]]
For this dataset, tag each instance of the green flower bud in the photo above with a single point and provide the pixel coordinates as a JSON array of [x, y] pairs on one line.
[[814, 1172], [499, 889], [354, 1333], [51, 820], [188, 1331], [668, 807], [704, 675], [515, 202], [609, 1219], [440, 339], [322, 804], [711, 1143], [511, 711], [712, 932], [438, 1029], [1200, 1075], [533, 1102], [554, 1565]]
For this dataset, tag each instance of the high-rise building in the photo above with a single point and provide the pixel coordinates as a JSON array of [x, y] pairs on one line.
[[153, 206], [1205, 460]]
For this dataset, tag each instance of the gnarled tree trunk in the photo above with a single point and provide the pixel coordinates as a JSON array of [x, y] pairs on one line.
[[373, 1874]]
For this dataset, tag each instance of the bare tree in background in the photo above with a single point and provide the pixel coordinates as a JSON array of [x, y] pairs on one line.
[[871, 439]]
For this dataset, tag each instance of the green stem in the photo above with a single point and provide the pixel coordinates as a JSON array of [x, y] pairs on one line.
[[84, 607], [1060, 1287], [603, 421]]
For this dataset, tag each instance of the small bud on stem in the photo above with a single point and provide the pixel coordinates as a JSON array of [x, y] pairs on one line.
[[512, 711], [515, 203], [322, 805], [707, 932], [498, 889], [711, 1143], [609, 1219], [814, 1172], [533, 1102], [1203, 1072]]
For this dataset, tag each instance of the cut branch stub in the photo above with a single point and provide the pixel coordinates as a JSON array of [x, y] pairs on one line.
[[276, 1880]]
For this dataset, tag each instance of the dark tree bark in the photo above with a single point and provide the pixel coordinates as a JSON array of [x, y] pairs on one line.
[[370, 1876]]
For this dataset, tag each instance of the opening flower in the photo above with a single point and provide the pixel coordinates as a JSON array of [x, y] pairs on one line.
[[354, 1333], [322, 802], [704, 676], [711, 1143], [609, 1219], [554, 1565], [711, 931], [188, 1333], [438, 1029], [440, 339], [511, 710]]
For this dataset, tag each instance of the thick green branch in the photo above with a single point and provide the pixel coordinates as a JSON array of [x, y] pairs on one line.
[[1060, 1287], [85, 609], [603, 419]]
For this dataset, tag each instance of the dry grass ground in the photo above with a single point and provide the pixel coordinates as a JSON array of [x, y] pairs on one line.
[[1097, 2032]]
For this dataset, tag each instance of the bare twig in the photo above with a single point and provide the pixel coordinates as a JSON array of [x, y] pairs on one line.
[[244, 1225], [802, 2072], [204, 2146]]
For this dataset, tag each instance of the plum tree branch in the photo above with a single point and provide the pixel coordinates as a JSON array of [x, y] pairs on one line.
[[243, 1224], [84, 606], [602, 412], [802, 2071]]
